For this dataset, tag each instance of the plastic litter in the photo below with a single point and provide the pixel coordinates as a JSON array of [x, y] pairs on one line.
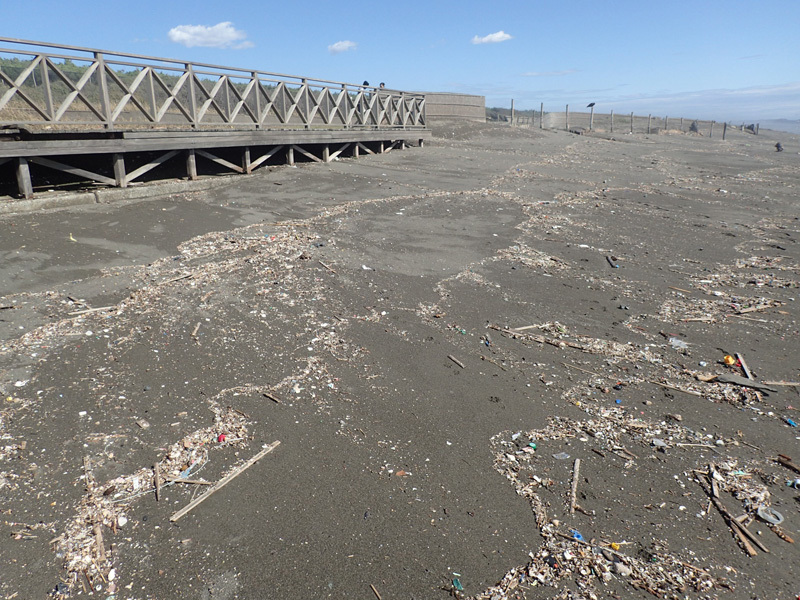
[[561, 456], [678, 344], [769, 515]]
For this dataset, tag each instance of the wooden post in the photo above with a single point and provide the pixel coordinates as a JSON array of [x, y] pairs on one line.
[[567, 123], [246, 160], [649, 119], [541, 115], [711, 132], [192, 94], [381, 148], [306, 91], [631, 122], [24, 178], [591, 118], [326, 153], [724, 130], [512, 112], [355, 149], [257, 90], [681, 123], [105, 102], [612, 121], [666, 123], [48, 92], [757, 126], [290, 155], [191, 164], [120, 176]]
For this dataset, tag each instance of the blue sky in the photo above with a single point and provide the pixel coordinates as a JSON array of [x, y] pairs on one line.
[[735, 60]]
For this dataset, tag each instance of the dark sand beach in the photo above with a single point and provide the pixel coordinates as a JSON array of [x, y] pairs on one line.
[[434, 336]]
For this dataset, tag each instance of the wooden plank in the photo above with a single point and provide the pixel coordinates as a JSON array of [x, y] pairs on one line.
[[264, 157], [364, 148], [339, 151], [153, 164], [220, 161], [185, 140], [58, 166], [306, 153]]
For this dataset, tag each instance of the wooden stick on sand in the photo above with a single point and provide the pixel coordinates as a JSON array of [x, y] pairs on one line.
[[224, 481]]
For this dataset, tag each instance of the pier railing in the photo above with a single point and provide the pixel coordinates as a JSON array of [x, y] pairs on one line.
[[49, 87]]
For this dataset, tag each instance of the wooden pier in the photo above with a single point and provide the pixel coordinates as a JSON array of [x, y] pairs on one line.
[[110, 119]]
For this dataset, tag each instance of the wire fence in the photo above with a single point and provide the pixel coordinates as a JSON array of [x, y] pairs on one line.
[[621, 123]]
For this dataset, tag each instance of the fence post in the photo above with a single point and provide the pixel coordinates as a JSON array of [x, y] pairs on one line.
[[711, 132], [666, 123], [591, 118], [512, 112], [257, 89], [48, 92], [541, 115], [306, 111], [681, 124], [567, 122], [192, 94], [649, 118], [612, 121], [757, 126], [724, 130], [105, 102], [631, 122]]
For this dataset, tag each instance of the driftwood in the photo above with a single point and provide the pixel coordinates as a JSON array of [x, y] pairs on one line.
[[787, 462], [745, 368], [677, 389], [742, 381], [573, 502], [224, 481], [455, 360], [740, 531]]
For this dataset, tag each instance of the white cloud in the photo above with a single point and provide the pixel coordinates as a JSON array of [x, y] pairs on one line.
[[342, 46], [549, 73], [221, 35], [492, 38]]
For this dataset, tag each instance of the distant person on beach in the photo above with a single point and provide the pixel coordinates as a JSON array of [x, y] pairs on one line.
[[364, 103], [778, 147]]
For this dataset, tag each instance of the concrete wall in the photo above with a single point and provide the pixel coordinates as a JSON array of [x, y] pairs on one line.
[[441, 105]]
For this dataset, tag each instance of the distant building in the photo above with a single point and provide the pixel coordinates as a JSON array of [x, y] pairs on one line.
[[444, 105]]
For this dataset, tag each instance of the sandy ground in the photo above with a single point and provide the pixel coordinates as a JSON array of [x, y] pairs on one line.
[[434, 336]]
